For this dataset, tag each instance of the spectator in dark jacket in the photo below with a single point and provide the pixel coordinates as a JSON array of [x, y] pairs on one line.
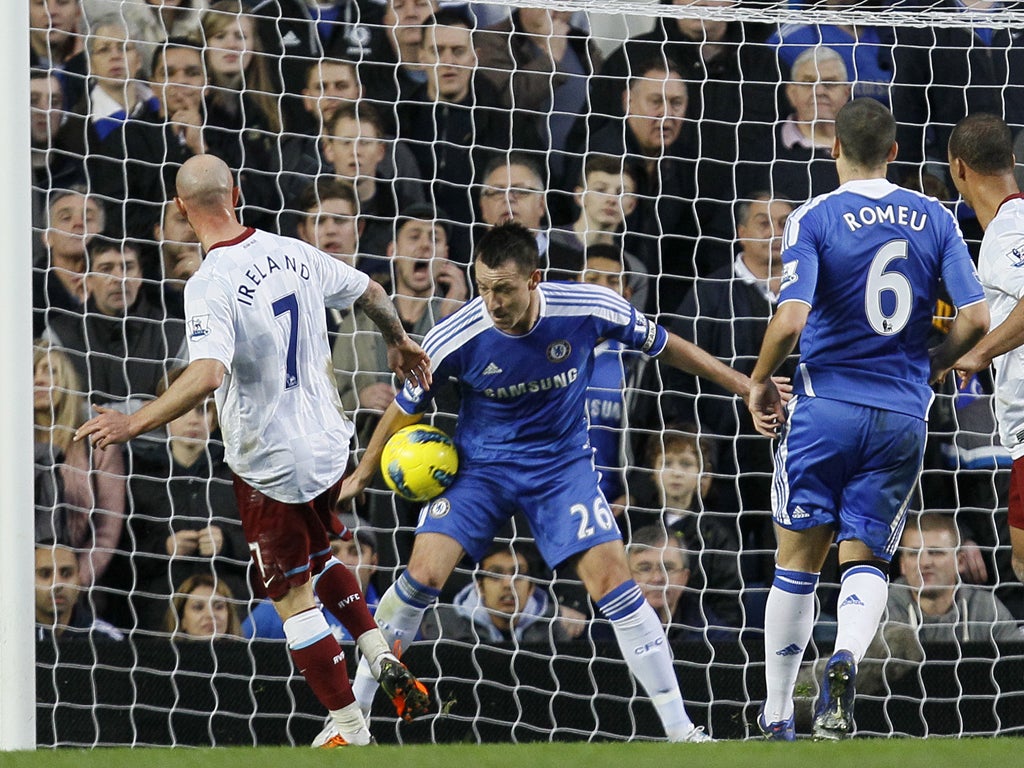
[[678, 494], [72, 218], [453, 126], [942, 73], [184, 518], [60, 611], [540, 65], [731, 76], [383, 171], [157, 145], [727, 314], [122, 344], [391, 70], [51, 168], [98, 128], [243, 122], [55, 43], [660, 564], [669, 220], [330, 84], [798, 164], [382, 38]]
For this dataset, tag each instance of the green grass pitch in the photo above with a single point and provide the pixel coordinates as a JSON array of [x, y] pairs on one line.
[[856, 753]]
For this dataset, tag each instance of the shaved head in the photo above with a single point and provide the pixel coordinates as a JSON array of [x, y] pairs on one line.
[[205, 180], [207, 196]]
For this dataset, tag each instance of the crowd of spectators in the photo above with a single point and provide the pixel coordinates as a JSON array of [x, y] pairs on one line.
[[391, 133]]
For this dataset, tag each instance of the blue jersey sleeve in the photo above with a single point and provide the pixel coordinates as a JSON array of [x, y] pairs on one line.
[[958, 272], [444, 344], [413, 398], [800, 254], [618, 319]]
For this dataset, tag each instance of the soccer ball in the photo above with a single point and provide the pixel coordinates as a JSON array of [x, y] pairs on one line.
[[419, 462]]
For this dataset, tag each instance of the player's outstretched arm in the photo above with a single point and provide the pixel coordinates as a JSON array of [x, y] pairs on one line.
[[783, 332], [394, 419], [690, 358], [405, 357], [1006, 336], [109, 427], [968, 328]]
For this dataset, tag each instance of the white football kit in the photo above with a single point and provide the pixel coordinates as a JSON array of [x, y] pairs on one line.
[[257, 305], [1001, 270]]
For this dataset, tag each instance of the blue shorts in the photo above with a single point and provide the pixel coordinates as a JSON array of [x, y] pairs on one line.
[[849, 466], [568, 513]]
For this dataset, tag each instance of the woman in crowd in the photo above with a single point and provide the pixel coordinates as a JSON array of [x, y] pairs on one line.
[[202, 607], [89, 485]]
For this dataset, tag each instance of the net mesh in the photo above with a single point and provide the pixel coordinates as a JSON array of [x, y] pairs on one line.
[[342, 129]]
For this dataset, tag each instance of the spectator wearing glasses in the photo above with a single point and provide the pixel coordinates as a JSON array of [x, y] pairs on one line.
[[798, 164], [513, 189], [660, 563]]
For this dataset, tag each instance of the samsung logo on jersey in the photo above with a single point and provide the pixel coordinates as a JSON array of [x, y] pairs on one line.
[[559, 381], [900, 214], [605, 410]]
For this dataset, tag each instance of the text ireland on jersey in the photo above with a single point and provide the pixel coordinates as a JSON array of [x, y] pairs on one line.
[[260, 270]]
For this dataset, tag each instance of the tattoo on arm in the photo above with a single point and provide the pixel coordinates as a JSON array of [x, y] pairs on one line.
[[381, 311]]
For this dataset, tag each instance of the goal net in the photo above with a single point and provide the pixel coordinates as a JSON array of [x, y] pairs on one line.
[[654, 148]]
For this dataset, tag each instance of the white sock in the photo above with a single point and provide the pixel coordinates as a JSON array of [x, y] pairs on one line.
[[364, 687], [373, 646], [399, 614], [351, 724], [645, 648], [305, 628], [788, 622], [862, 599]]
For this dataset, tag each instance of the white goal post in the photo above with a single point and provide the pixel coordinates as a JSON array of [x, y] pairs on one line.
[[17, 652]]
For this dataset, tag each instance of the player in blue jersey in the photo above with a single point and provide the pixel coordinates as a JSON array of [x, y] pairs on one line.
[[861, 270], [614, 367], [522, 354]]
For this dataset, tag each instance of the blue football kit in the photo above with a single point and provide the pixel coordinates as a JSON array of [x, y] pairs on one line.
[[522, 430], [605, 407], [868, 260]]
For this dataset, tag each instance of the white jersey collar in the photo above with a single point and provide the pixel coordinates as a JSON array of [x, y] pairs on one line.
[[876, 189]]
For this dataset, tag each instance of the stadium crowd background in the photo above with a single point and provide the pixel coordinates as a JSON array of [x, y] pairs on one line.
[[390, 134]]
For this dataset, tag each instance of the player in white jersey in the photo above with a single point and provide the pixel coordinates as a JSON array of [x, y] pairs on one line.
[[258, 339], [522, 355], [981, 163]]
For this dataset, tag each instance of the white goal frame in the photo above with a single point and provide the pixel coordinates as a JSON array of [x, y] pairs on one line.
[[17, 609]]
